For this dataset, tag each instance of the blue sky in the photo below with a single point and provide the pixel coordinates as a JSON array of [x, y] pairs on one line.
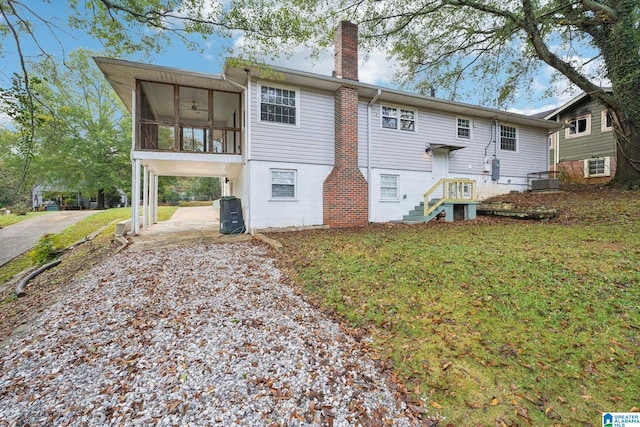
[[377, 68]]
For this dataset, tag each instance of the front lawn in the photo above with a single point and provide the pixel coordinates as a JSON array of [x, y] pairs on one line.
[[498, 322]]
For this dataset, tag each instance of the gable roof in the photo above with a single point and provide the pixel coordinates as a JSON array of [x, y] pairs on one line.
[[382, 94], [571, 103], [123, 74]]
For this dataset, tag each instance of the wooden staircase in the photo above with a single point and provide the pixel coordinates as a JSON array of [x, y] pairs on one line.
[[455, 199]]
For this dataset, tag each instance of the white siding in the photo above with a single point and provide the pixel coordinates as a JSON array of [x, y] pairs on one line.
[[411, 187], [396, 149], [311, 141], [530, 157], [305, 210]]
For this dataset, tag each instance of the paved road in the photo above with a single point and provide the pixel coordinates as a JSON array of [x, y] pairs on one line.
[[18, 238]]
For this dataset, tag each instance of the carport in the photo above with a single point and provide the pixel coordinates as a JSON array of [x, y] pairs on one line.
[[188, 225]]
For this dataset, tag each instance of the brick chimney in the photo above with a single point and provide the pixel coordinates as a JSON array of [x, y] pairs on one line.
[[345, 191], [346, 51]]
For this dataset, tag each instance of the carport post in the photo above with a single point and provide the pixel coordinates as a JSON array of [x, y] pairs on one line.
[[152, 198], [145, 197], [135, 205], [155, 198]]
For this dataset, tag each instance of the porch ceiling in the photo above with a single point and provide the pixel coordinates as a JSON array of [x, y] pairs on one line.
[[123, 75], [190, 164]]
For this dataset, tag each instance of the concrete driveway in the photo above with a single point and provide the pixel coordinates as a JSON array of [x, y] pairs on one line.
[[188, 225], [19, 238]]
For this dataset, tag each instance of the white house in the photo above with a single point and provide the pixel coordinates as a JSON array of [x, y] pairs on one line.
[[302, 149]]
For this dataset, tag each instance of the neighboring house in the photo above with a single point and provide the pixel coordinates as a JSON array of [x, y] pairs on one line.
[[584, 150], [302, 149]]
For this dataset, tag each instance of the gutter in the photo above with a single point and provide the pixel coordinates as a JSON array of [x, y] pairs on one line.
[[247, 117], [369, 144]]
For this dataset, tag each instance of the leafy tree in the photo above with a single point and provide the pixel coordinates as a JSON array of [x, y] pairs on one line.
[[439, 43], [10, 166], [20, 103], [505, 42], [499, 45], [206, 188], [84, 141]]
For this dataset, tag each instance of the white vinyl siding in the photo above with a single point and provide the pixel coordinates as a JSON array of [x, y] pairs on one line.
[[597, 167], [508, 138], [389, 187], [311, 142], [531, 155], [464, 126], [396, 150], [283, 184]]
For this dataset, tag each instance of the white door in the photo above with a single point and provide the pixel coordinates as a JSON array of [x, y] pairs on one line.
[[440, 164]]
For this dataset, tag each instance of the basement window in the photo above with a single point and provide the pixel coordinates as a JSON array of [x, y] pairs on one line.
[[389, 187], [597, 167], [283, 184]]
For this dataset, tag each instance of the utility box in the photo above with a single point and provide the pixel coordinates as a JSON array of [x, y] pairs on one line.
[[231, 221], [495, 169]]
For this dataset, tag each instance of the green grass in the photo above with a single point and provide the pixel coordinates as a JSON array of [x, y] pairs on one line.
[[70, 235], [6, 220], [512, 323]]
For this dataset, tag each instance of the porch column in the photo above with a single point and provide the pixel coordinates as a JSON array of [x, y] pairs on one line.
[[145, 197], [135, 195], [154, 218]]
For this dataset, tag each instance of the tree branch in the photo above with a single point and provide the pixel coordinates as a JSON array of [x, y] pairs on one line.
[[600, 9], [543, 52]]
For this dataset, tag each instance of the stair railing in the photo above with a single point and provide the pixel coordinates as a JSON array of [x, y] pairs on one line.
[[452, 190]]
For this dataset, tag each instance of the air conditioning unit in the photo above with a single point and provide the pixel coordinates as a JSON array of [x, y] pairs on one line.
[[549, 184]]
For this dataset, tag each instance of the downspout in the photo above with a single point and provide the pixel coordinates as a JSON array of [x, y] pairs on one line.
[[369, 143], [247, 118]]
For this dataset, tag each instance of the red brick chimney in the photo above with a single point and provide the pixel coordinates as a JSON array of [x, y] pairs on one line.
[[345, 191], [346, 51]]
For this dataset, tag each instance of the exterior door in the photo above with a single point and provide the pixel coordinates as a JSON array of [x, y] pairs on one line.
[[440, 164]]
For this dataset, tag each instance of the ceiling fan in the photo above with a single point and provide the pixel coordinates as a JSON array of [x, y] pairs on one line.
[[194, 107]]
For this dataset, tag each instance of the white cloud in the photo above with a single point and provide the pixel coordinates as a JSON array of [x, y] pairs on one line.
[[375, 67]]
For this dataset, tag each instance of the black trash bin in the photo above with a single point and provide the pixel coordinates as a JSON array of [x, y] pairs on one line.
[[231, 221]]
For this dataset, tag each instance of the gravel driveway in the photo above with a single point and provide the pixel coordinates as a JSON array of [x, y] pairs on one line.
[[197, 335]]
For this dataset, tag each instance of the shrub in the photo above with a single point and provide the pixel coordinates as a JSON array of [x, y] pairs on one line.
[[45, 250]]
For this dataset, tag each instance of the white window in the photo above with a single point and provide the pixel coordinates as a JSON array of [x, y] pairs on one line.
[[398, 118], [283, 184], [607, 121], [389, 187], [578, 126], [508, 138], [278, 105], [597, 167], [464, 128]]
